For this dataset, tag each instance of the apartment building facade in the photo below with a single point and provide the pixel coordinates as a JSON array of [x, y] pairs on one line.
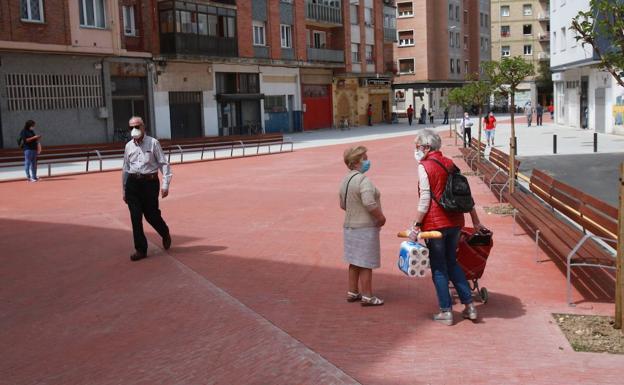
[[439, 43], [77, 68], [522, 28], [584, 96]]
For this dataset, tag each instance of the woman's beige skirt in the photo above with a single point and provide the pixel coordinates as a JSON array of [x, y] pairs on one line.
[[361, 247]]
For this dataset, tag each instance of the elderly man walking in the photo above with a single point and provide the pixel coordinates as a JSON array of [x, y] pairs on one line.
[[143, 158]]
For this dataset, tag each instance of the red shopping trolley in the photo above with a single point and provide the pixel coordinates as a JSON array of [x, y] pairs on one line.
[[473, 251]]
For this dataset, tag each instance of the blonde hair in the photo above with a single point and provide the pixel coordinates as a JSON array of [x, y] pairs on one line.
[[354, 155]]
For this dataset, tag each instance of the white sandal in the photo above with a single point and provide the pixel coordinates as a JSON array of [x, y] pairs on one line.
[[353, 297], [372, 301]]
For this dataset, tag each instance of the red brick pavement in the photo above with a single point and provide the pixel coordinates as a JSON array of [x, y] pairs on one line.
[[252, 291]]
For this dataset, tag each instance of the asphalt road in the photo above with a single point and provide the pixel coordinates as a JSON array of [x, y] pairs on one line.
[[595, 174]]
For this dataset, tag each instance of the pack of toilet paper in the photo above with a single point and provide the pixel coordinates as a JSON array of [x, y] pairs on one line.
[[413, 259]]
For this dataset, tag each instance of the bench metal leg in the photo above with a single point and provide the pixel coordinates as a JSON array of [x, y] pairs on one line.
[[537, 234]]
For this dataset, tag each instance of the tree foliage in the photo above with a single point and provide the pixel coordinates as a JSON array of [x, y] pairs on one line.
[[602, 27]]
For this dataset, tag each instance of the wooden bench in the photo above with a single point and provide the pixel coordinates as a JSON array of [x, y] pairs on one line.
[[499, 180], [101, 151], [470, 153], [570, 225]]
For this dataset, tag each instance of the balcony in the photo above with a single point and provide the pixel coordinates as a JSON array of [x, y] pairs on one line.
[[390, 34], [544, 37], [197, 45], [543, 56], [543, 16], [323, 15], [325, 55], [505, 34]]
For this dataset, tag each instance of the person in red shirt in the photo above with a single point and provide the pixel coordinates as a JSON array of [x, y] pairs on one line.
[[369, 113], [490, 126], [410, 114]]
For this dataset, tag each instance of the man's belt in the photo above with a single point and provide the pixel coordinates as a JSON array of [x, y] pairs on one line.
[[152, 176]]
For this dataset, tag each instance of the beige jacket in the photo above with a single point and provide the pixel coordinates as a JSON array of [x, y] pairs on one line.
[[362, 198]]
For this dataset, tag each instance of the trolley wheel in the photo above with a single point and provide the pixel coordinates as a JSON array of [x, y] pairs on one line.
[[483, 293]]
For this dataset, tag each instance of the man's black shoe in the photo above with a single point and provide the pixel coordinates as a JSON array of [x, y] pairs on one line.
[[137, 256], [167, 241]]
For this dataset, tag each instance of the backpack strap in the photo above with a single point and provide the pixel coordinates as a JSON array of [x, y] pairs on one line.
[[448, 173]]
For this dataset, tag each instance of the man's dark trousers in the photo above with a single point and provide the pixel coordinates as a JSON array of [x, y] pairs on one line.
[[142, 199], [467, 133], [539, 119]]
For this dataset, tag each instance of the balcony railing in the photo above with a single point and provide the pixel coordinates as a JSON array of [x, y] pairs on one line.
[[543, 16], [323, 13], [543, 56], [543, 37], [390, 34], [193, 44], [325, 55], [505, 34]]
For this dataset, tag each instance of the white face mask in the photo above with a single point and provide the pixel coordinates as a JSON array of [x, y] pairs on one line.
[[419, 155], [136, 133]]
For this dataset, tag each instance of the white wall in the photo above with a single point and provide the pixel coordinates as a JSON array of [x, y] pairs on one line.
[[210, 115], [560, 17]]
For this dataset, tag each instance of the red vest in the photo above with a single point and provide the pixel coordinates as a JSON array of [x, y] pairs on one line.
[[437, 218]]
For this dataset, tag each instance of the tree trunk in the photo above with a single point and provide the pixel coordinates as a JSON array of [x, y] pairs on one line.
[[479, 137], [512, 149], [619, 273]]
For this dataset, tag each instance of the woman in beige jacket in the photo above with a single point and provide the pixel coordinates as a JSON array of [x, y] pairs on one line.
[[363, 219]]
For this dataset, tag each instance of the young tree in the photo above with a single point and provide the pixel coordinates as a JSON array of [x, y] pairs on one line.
[[506, 76], [479, 92], [458, 97], [602, 27]]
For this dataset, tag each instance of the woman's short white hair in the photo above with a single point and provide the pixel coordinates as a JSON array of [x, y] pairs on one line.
[[429, 138]]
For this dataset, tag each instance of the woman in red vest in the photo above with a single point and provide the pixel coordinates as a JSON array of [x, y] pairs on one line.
[[431, 216]]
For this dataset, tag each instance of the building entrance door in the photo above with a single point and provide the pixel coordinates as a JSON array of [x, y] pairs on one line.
[[584, 102], [600, 119], [185, 114]]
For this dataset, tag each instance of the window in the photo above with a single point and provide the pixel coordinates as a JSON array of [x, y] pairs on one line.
[[451, 11], [355, 52], [505, 51], [504, 10], [528, 49], [275, 103], [128, 20], [481, 19], [487, 19], [554, 39], [369, 20], [563, 39], [527, 29], [457, 67], [457, 43], [452, 66], [286, 36], [465, 41], [466, 17], [527, 9], [451, 39], [31, 10], [353, 9], [457, 13], [406, 38], [405, 9], [92, 13], [259, 33], [406, 66], [318, 39], [466, 66], [369, 54], [505, 31]]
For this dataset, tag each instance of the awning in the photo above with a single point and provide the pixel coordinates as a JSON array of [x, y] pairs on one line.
[[237, 97]]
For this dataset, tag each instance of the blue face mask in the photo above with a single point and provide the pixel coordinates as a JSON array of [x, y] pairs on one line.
[[365, 166]]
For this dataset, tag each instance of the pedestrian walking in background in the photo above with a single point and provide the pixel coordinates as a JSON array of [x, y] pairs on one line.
[[423, 115], [539, 112], [551, 109], [431, 116], [30, 144], [446, 114], [143, 158], [528, 111], [369, 114], [466, 127], [433, 171], [363, 219], [490, 127], [410, 114]]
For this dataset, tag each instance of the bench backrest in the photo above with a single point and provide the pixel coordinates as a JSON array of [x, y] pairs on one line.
[[599, 217], [541, 184], [592, 214], [501, 160]]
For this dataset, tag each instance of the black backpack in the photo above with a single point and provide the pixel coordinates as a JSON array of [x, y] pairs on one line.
[[456, 196]]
